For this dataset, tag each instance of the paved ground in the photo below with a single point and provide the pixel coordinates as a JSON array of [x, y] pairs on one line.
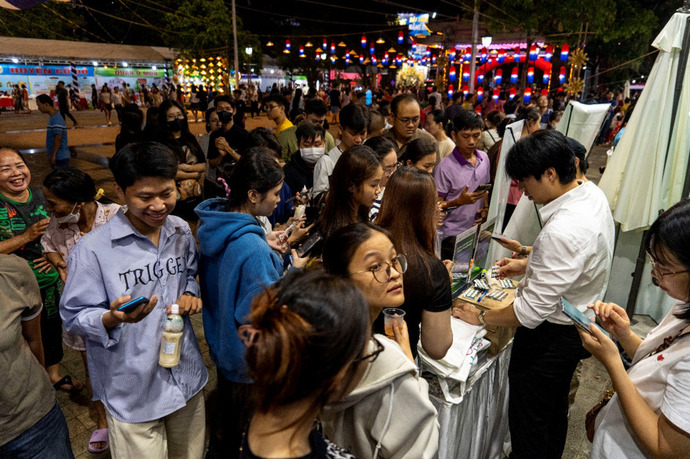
[[94, 143]]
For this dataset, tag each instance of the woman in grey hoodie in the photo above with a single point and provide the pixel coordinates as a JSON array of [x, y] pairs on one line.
[[387, 413]]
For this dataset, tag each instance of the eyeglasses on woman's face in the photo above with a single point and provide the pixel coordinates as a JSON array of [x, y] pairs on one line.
[[658, 273], [382, 270]]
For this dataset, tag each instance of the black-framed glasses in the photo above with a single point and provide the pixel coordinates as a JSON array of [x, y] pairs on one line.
[[382, 270], [657, 274], [379, 349], [407, 121]]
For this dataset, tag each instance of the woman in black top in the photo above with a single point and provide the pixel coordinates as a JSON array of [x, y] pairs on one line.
[[174, 132], [409, 212]]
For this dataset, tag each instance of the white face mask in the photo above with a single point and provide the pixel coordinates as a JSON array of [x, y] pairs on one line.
[[312, 155], [70, 217]]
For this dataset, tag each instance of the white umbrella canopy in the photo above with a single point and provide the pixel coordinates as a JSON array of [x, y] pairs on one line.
[[644, 175], [648, 169]]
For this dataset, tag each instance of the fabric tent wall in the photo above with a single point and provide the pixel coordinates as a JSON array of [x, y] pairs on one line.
[[647, 171], [583, 122]]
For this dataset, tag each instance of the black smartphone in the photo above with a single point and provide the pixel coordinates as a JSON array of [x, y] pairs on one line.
[[483, 187], [308, 245], [449, 209], [133, 304], [578, 317]]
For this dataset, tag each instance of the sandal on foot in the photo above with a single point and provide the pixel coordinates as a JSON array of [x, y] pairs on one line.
[[99, 436], [67, 381]]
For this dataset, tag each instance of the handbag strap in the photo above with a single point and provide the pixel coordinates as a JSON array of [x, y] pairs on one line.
[[667, 342]]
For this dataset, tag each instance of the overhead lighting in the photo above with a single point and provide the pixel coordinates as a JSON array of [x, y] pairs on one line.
[[342, 44], [286, 51], [153, 67], [392, 50], [95, 63], [308, 44], [269, 44], [433, 15], [15, 60], [380, 41], [125, 64], [319, 50], [486, 41]]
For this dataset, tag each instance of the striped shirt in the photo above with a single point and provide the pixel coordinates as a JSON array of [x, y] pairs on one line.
[[57, 126]]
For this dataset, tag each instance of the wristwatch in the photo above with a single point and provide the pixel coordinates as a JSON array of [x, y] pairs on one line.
[[480, 317], [523, 252]]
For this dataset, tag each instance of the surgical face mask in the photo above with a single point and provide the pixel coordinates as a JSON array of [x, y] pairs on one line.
[[176, 125], [387, 125], [312, 155], [70, 217], [225, 116]]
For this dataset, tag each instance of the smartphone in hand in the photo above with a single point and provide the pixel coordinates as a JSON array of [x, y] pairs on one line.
[[133, 304], [578, 317]]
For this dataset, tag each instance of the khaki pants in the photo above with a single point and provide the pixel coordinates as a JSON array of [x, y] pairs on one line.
[[178, 435]]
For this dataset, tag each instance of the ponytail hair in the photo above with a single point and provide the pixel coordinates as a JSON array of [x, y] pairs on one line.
[[306, 330]]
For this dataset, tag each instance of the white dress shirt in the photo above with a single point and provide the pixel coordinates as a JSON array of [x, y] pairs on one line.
[[571, 257]]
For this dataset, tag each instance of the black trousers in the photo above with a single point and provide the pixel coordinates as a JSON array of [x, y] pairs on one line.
[[64, 111], [233, 411], [542, 364]]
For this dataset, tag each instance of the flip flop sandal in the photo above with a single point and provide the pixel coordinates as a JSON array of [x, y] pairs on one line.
[[99, 436], [67, 380]]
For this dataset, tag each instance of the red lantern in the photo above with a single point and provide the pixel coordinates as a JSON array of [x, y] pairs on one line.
[[565, 49], [480, 94], [549, 53], [287, 45], [364, 41], [497, 93], [561, 76], [465, 90], [528, 95], [514, 75], [401, 37], [325, 44], [513, 93], [530, 75], [498, 77]]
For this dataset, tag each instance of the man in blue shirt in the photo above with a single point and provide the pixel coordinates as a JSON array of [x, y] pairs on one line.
[[152, 411], [56, 135]]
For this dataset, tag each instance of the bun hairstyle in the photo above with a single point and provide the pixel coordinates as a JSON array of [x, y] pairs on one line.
[[257, 169], [307, 328]]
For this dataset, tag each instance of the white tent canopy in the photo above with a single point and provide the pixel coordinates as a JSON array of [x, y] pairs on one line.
[[647, 171]]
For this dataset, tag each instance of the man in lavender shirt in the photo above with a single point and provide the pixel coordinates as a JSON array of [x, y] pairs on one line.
[[457, 177]]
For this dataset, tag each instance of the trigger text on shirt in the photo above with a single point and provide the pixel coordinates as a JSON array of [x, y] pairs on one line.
[[171, 266]]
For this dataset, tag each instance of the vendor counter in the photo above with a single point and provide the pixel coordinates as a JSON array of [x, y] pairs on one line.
[[469, 388]]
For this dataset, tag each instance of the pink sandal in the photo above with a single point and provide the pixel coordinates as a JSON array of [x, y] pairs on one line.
[[99, 436]]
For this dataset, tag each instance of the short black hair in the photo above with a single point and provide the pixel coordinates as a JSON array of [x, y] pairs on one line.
[[402, 99], [418, 149], [278, 99], [438, 116], [467, 119], [381, 146], [510, 106], [45, 99], [264, 137], [354, 117], [533, 154], [580, 153], [71, 184], [142, 159], [309, 131], [315, 106], [227, 99]]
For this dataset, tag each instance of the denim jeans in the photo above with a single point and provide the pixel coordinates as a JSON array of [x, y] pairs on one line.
[[47, 439]]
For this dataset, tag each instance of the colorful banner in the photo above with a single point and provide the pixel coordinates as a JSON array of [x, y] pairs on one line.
[[134, 77], [42, 79]]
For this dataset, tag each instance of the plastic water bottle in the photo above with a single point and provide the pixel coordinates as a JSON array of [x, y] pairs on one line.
[[172, 339]]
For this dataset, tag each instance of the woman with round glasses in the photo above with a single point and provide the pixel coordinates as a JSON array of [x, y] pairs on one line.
[[410, 214], [648, 415], [387, 412]]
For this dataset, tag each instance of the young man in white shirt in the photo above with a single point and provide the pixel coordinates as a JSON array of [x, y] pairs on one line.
[[570, 259]]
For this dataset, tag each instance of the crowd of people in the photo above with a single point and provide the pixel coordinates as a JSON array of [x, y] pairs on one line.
[[290, 242]]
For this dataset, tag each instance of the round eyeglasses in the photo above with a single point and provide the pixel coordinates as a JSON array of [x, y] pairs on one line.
[[657, 274], [382, 270]]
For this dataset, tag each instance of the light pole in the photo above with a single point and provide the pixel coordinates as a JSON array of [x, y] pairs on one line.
[[248, 51]]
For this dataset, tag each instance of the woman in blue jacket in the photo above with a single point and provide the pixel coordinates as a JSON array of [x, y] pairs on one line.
[[236, 265]]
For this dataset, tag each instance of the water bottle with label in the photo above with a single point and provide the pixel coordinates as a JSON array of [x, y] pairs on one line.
[[172, 338]]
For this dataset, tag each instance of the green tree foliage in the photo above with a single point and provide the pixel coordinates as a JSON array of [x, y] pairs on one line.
[[57, 21], [204, 27]]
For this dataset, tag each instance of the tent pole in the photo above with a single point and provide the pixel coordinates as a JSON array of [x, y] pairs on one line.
[[637, 278], [680, 76]]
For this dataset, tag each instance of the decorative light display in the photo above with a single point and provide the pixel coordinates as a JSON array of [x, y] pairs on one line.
[[514, 75], [512, 93], [561, 75], [530, 75], [364, 41], [287, 45], [501, 56], [497, 92], [545, 79], [528, 95], [466, 75], [565, 50], [480, 94], [332, 48], [451, 74], [498, 77], [372, 48], [401, 37], [549, 53]]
